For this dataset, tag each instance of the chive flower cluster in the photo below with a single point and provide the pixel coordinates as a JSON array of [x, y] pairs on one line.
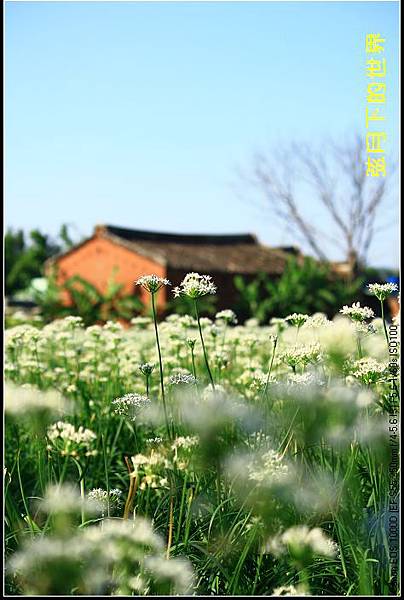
[[382, 290], [195, 286], [356, 312], [130, 405], [152, 283]]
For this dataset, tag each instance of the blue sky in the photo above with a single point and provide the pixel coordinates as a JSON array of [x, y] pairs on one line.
[[138, 114]]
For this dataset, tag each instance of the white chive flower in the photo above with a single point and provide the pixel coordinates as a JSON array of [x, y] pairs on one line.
[[146, 369], [125, 538], [191, 342], [27, 400], [369, 370], [301, 379], [317, 321], [301, 355], [66, 499], [104, 498], [290, 590], [279, 323], [69, 441], [297, 319], [141, 322], [267, 468], [154, 441], [152, 283], [185, 442], [195, 285], [130, 405], [356, 312], [177, 572], [382, 290], [302, 542], [182, 379], [227, 316]]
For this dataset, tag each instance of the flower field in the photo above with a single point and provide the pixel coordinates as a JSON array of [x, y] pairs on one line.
[[196, 456]]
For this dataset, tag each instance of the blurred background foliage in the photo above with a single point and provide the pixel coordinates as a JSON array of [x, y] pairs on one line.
[[304, 287], [25, 255], [307, 288], [86, 301], [185, 306]]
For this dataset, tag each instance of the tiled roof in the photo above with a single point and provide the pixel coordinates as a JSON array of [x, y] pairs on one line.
[[206, 253]]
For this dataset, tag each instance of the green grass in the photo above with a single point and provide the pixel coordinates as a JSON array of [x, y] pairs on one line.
[[211, 508]]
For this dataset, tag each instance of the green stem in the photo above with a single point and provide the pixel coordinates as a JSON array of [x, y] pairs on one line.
[[358, 342], [82, 497], [188, 517], [193, 363], [257, 571], [147, 500], [170, 524], [224, 335], [203, 344], [183, 495], [112, 450], [106, 473], [384, 324], [218, 491], [160, 366], [22, 493], [304, 579], [270, 367], [64, 469], [82, 494]]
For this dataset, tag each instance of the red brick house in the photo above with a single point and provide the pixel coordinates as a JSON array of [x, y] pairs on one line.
[[132, 253]]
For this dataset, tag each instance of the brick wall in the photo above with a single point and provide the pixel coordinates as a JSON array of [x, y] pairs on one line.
[[95, 261]]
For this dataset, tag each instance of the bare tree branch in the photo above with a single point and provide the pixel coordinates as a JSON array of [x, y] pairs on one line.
[[337, 179]]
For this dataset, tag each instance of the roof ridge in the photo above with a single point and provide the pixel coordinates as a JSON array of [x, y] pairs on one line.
[[134, 235]]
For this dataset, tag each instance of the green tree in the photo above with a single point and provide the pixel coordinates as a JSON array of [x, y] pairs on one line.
[[303, 288], [14, 246], [65, 236], [25, 258]]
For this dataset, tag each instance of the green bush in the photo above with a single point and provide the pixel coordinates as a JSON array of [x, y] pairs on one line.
[[303, 288], [87, 302]]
